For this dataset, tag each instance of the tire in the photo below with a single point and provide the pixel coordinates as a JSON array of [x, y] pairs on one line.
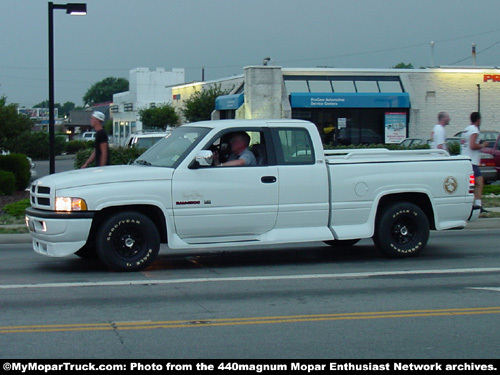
[[402, 230], [342, 243], [128, 241]]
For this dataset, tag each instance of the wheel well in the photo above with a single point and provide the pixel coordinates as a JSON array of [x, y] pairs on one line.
[[153, 212], [419, 199]]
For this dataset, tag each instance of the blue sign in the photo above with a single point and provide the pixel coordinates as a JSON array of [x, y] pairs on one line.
[[229, 101], [350, 100]]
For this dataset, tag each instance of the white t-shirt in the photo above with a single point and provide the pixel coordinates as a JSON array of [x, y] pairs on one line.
[[438, 136], [465, 144]]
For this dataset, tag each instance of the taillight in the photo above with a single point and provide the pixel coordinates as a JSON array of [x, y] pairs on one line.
[[472, 183], [487, 163]]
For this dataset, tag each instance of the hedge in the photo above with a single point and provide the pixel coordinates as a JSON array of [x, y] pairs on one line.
[[72, 147], [7, 183], [35, 145], [18, 208], [118, 156], [20, 166]]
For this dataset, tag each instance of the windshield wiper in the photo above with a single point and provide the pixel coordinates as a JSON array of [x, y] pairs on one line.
[[142, 162]]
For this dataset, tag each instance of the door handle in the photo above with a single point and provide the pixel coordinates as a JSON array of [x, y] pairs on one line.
[[268, 179]]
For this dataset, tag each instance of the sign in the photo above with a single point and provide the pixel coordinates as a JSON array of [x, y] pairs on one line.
[[342, 123], [349, 100], [395, 127], [491, 77]]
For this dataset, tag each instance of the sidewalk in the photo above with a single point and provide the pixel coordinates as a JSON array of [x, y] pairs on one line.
[[482, 223]]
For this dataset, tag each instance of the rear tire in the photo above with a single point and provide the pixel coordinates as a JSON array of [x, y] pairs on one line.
[[128, 241], [402, 230]]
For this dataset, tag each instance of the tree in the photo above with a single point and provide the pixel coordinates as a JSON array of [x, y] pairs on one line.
[[103, 91], [403, 65], [201, 104], [12, 124], [159, 117]]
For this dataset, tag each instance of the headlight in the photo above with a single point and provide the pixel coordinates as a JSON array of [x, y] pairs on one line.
[[70, 204]]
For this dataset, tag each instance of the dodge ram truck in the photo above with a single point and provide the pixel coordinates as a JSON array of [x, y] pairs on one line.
[[178, 193]]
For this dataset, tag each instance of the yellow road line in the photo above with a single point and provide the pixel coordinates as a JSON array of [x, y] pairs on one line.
[[247, 321]]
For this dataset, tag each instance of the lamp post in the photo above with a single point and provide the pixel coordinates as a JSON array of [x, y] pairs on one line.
[[74, 9]]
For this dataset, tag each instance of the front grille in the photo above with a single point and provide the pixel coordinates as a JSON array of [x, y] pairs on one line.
[[40, 196]]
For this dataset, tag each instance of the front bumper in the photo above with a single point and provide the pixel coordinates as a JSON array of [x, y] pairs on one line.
[[58, 234]]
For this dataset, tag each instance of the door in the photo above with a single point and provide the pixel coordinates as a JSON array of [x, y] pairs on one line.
[[217, 203]]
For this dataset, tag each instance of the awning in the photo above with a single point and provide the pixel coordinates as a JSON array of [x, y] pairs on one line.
[[225, 102], [350, 100]]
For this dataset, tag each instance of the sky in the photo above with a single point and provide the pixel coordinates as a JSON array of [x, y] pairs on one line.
[[225, 35]]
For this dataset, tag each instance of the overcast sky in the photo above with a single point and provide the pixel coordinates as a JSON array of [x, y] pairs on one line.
[[226, 35]]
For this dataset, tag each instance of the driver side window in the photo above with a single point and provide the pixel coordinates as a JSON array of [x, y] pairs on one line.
[[230, 145]]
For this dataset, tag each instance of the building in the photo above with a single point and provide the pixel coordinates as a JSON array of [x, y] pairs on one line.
[[353, 106], [147, 89]]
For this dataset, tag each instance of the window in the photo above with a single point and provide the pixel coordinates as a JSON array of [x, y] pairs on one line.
[[294, 147], [366, 86], [296, 86], [390, 86], [343, 86], [320, 86]]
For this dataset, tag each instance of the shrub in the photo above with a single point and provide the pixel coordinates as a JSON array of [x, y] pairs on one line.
[[36, 145], [7, 183], [18, 208], [72, 147], [491, 189], [118, 156], [20, 166]]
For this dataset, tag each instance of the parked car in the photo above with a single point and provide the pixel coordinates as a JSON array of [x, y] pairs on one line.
[[484, 135], [144, 140], [412, 142], [487, 165], [493, 148], [88, 136]]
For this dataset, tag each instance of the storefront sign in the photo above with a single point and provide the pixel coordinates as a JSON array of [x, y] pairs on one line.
[[492, 77], [395, 127], [349, 100]]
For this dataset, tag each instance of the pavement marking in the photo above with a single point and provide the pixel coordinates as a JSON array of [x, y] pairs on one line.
[[143, 325], [250, 278], [491, 289]]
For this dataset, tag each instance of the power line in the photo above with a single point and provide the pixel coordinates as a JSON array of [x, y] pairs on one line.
[[477, 53]]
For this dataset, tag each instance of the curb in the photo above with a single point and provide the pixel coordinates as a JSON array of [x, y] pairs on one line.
[[493, 223]]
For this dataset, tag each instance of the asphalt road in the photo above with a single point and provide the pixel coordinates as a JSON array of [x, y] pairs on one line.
[[288, 302], [62, 164]]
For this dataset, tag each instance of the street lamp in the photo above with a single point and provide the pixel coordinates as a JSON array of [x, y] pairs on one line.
[[74, 9]]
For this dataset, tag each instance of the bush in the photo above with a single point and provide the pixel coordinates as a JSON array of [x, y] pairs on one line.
[[118, 156], [36, 145], [18, 208], [7, 183], [491, 189], [20, 166], [72, 147]]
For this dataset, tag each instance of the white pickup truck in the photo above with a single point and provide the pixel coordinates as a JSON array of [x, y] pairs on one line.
[[297, 192]]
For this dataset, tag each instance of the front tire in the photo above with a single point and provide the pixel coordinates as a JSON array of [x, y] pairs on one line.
[[128, 241], [402, 230]]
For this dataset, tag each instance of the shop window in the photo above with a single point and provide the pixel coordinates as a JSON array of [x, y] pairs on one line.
[[390, 86], [320, 86], [367, 86], [296, 86], [343, 86]]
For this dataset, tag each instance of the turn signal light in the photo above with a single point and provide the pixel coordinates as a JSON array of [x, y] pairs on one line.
[[472, 183]]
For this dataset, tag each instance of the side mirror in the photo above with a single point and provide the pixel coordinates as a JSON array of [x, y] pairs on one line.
[[204, 158]]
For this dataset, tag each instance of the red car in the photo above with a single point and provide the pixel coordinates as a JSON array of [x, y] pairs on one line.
[[493, 148]]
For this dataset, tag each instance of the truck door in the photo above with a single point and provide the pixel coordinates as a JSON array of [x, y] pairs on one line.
[[303, 188], [217, 203]]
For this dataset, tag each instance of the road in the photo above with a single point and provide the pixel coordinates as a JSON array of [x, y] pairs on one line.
[[62, 164], [288, 302]]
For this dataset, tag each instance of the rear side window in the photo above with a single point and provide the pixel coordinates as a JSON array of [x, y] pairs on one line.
[[294, 146]]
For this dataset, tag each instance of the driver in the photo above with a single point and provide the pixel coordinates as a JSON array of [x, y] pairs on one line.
[[240, 154]]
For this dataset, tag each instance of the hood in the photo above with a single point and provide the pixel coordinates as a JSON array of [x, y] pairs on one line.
[[107, 175]]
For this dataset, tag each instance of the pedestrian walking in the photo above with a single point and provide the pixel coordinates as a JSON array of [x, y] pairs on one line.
[[100, 154], [438, 135], [471, 145]]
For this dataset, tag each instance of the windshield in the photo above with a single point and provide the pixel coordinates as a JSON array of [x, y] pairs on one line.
[[172, 149]]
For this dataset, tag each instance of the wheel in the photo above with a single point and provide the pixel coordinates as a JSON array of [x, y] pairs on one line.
[[128, 241], [402, 230], [88, 251], [342, 243]]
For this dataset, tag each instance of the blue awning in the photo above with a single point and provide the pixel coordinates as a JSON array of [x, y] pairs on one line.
[[229, 101], [350, 100]]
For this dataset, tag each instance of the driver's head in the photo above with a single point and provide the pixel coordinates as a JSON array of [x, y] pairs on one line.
[[239, 142]]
